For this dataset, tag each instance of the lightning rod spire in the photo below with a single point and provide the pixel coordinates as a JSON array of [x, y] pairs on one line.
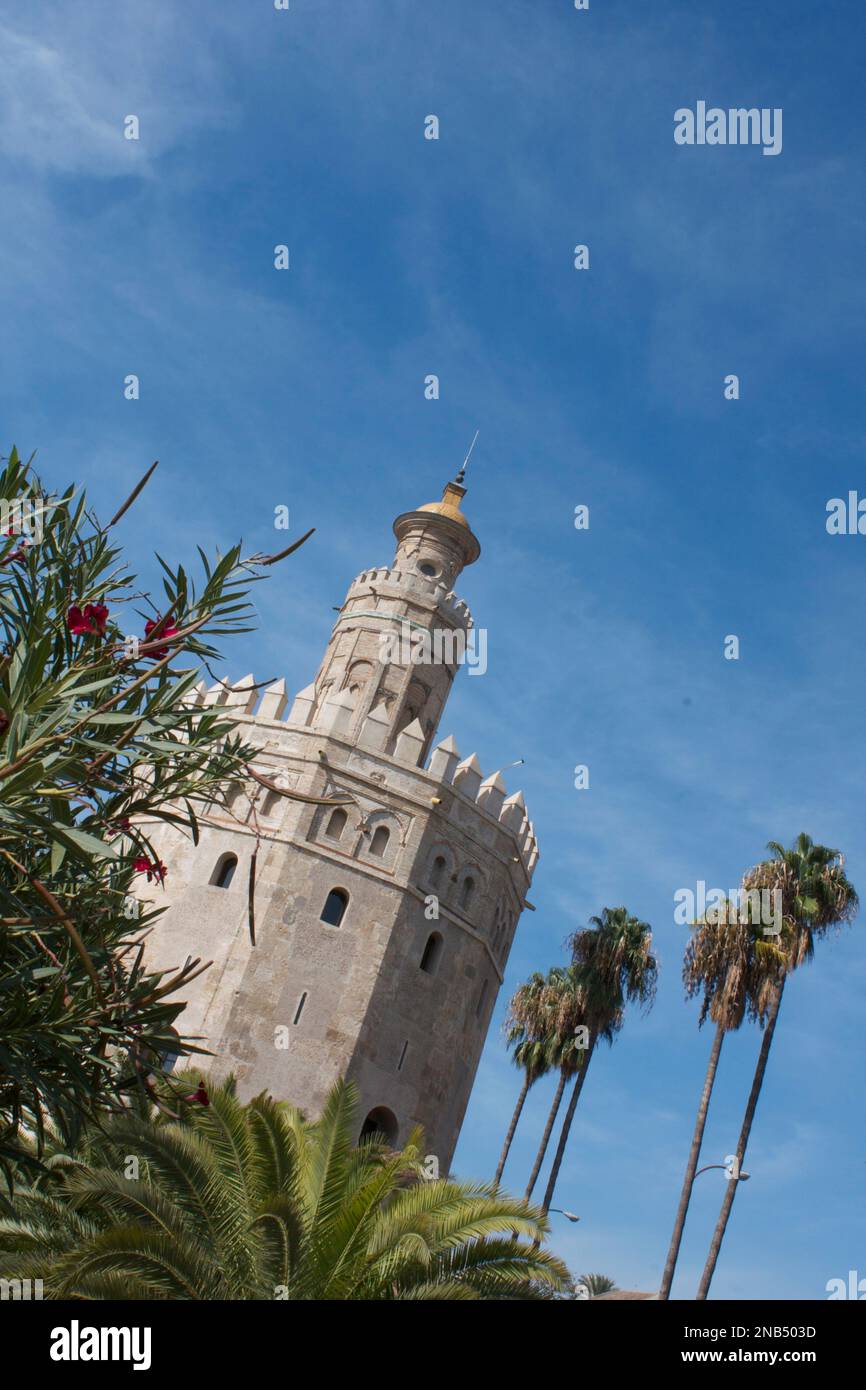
[[462, 474]]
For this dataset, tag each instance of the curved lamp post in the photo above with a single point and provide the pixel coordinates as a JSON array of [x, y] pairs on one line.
[[741, 1177]]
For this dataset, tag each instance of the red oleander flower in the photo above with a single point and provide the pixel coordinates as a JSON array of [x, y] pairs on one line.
[[90, 623], [157, 870], [162, 627], [16, 555], [4, 721], [200, 1095]]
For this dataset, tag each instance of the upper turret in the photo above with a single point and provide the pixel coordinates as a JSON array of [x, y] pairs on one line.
[[369, 664], [436, 539]]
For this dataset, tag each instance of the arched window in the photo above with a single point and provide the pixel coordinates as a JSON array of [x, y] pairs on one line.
[[335, 907], [466, 892], [502, 920], [379, 842], [337, 824], [416, 699], [271, 803], [381, 1123], [438, 870], [432, 953], [357, 677], [224, 871]]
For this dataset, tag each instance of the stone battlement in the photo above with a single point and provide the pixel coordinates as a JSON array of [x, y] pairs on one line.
[[452, 607], [462, 778]]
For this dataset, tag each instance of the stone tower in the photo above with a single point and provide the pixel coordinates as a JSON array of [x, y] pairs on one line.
[[383, 922]]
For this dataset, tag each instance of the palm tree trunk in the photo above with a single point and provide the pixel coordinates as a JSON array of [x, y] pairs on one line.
[[524, 1092], [545, 1138], [566, 1125], [733, 1183], [691, 1166]]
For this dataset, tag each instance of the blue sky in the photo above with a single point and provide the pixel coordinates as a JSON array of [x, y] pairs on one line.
[[604, 387]]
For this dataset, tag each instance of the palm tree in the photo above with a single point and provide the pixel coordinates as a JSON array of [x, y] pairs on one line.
[[251, 1201], [595, 1284], [562, 1013], [734, 966], [816, 895], [613, 964], [530, 1050]]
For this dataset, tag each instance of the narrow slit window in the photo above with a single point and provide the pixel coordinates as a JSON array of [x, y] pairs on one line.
[[432, 953], [379, 842], [225, 871], [300, 1009], [336, 825], [335, 907], [403, 1055]]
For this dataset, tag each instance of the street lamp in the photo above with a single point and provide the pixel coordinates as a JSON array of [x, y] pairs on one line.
[[569, 1215], [741, 1177]]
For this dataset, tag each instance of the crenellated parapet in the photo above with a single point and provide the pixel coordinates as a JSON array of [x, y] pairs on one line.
[[448, 781], [387, 581]]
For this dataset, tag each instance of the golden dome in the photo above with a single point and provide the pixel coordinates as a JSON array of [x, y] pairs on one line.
[[450, 505], [455, 527]]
